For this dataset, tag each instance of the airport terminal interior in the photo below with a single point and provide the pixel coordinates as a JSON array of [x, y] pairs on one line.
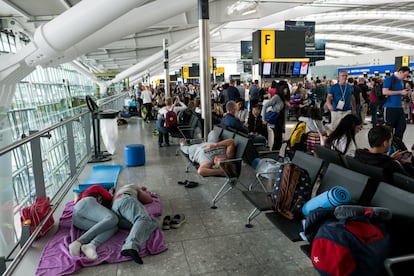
[[55, 55]]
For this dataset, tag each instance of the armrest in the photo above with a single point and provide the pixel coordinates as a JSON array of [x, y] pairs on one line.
[[269, 177], [231, 167], [394, 260], [185, 127]]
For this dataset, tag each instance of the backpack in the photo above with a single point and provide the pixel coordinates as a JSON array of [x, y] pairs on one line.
[[352, 246], [380, 98], [170, 119], [377, 89], [34, 214], [292, 189], [298, 136], [184, 116]]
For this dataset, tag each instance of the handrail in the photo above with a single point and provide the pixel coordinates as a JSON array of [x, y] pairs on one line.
[[60, 195], [18, 258], [40, 133]]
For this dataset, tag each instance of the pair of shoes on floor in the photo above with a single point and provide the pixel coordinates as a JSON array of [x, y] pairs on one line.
[[174, 221], [188, 184]]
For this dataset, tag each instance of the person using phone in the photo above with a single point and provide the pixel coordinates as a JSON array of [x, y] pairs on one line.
[[380, 140], [393, 88]]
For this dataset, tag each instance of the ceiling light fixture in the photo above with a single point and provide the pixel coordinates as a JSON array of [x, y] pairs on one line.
[[249, 12], [240, 7]]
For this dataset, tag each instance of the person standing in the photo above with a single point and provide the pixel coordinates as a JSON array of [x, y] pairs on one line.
[[254, 93], [365, 100], [146, 96], [138, 89], [320, 93], [393, 88], [232, 92], [277, 104], [374, 101], [340, 100]]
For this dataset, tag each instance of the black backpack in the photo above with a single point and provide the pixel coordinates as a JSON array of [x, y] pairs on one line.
[[184, 116], [377, 89]]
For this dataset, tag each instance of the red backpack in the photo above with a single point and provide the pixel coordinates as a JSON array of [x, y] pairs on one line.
[[170, 119], [353, 246], [34, 214]]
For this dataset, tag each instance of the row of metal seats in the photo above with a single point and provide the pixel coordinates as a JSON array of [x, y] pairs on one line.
[[376, 173], [366, 190], [396, 195]]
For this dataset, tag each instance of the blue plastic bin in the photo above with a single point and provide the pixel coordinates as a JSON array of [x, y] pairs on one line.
[[134, 155]]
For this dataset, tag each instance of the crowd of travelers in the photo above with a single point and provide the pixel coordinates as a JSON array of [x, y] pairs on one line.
[[324, 104]]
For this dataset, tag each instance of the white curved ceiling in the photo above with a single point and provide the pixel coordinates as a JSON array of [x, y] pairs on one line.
[[349, 28]]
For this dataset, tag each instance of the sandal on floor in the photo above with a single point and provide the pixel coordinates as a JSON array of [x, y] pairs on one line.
[[177, 221], [166, 223], [191, 184], [185, 182]]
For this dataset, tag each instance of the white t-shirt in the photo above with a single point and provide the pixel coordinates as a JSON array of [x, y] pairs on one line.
[[340, 145]]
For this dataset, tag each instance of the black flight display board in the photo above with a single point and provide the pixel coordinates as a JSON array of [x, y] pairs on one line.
[[275, 69]]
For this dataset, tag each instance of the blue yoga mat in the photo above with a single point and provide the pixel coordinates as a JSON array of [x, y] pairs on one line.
[[336, 196], [104, 175]]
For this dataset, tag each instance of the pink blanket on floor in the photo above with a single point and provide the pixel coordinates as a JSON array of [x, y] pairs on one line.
[[56, 260]]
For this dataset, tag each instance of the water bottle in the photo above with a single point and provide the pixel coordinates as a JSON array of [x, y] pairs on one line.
[[25, 231]]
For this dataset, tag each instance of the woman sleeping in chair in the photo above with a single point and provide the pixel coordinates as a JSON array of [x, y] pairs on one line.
[[209, 155]]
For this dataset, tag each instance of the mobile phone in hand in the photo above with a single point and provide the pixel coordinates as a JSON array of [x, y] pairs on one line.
[[406, 155]]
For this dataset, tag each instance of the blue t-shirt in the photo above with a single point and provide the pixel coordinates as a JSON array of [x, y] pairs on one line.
[[336, 91], [393, 101]]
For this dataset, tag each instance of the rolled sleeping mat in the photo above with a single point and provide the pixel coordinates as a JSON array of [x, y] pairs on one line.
[[335, 196]]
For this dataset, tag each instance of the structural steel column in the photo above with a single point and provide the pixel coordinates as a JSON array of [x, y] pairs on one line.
[[166, 69], [205, 84]]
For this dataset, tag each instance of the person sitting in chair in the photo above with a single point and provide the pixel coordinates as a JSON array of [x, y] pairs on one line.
[[209, 155], [230, 119], [380, 139]]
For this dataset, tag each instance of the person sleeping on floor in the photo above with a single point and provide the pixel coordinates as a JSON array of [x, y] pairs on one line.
[[100, 213]]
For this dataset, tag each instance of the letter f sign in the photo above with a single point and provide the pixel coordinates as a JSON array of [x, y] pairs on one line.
[[267, 38]]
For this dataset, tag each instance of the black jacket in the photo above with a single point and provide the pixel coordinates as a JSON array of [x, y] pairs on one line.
[[384, 161]]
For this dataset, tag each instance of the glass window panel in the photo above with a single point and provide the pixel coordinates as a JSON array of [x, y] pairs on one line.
[[5, 41]]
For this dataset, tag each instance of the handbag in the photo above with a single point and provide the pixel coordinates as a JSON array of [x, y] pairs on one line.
[[34, 214], [271, 117]]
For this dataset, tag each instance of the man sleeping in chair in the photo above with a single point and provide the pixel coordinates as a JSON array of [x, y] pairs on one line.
[[209, 155]]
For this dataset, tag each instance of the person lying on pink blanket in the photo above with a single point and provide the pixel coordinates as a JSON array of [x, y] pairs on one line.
[[128, 205], [92, 212]]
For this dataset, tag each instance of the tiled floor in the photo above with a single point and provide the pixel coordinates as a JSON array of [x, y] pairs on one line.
[[211, 242]]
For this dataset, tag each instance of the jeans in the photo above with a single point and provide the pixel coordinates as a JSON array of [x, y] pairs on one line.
[[395, 118], [373, 108], [100, 222], [131, 211], [163, 132]]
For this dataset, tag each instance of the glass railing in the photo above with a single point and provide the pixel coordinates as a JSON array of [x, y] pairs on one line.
[[43, 163]]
